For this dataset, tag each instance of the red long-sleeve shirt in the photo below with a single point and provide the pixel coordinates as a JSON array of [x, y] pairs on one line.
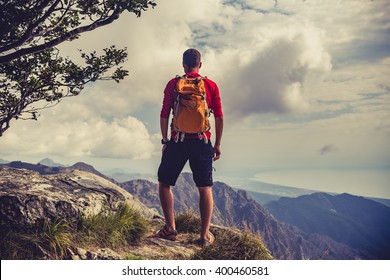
[[213, 98]]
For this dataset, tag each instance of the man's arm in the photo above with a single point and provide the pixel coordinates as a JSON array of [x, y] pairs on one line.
[[218, 137], [164, 128], [166, 108]]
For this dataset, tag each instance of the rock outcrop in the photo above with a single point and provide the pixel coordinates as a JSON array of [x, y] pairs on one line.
[[28, 198]]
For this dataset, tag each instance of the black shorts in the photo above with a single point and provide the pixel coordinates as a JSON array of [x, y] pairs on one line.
[[197, 152]]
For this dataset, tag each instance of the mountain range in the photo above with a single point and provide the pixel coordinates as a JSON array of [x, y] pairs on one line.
[[46, 170], [292, 228], [360, 223], [261, 192]]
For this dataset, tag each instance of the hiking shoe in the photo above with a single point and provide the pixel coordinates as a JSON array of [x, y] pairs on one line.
[[166, 234], [206, 241]]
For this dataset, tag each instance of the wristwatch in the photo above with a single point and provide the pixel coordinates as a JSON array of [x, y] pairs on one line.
[[164, 142]]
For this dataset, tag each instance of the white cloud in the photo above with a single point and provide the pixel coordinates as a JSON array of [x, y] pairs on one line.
[[126, 138], [65, 132], [272, 78]]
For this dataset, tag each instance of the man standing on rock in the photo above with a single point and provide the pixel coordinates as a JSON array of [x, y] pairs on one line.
[[192, 98]]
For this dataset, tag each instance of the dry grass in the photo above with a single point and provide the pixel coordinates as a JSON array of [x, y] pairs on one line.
[[229, 244], [124, 226], [234, 245], [187, 222], [52, 241]]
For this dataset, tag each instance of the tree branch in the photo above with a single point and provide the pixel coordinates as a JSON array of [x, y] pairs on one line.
[[29, 32], [67, 36]]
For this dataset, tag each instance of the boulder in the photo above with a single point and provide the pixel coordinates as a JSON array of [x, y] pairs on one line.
[[28, 198]]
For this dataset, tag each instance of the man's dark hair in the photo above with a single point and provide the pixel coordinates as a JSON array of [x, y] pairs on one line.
[[191, 58]]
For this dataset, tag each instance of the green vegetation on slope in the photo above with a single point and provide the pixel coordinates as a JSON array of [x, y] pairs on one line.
[[112, 230]]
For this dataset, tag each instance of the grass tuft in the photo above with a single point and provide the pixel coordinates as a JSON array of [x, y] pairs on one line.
[[187, 222], [51, 242], [124, 226], [231, 245], [56, 237]]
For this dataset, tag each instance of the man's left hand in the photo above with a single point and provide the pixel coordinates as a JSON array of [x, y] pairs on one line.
[[217, 153]]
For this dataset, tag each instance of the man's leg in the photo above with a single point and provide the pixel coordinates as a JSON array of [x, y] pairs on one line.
[[206, 209], [167, 203]]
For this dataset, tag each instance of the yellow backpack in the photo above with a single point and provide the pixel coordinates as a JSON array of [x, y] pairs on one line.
[[190, 110]]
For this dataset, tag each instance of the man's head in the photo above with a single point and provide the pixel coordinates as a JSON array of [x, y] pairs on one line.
[[191, 60]]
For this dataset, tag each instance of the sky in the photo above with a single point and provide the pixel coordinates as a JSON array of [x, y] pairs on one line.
[[304, 84]]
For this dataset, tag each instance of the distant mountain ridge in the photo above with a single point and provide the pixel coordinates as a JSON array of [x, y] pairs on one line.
[[122, 176], [271, 189], [46, 170], [50, 162], [361, 223]]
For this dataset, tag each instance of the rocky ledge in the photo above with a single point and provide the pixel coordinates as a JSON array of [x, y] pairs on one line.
[[28, 198]]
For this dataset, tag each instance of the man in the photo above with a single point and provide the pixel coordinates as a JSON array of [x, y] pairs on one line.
[[199, 152]]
